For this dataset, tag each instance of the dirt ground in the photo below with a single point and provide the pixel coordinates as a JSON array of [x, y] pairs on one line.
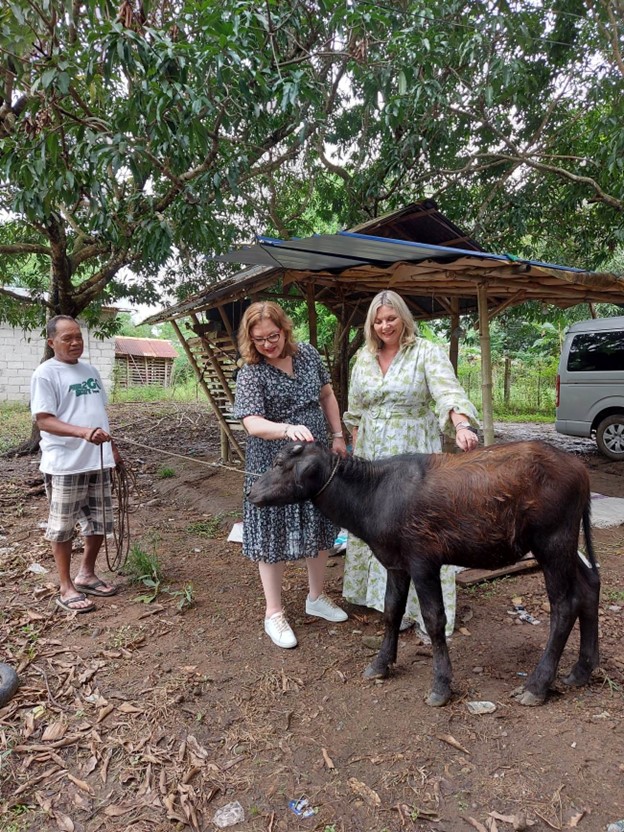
[[153, 716]]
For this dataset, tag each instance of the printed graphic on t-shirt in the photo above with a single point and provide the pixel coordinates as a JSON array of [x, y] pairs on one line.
[[85, 388]]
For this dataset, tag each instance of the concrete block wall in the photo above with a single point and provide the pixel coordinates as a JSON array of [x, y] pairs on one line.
[[21, 352]]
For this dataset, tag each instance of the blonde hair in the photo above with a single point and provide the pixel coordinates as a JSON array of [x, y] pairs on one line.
[[396, 302], [264, 310]]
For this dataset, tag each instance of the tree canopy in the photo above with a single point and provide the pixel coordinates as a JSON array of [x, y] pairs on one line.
[[137, 137], [511, 114], [129, 132]]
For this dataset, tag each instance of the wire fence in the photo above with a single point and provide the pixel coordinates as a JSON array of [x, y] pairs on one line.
[[518, 385]]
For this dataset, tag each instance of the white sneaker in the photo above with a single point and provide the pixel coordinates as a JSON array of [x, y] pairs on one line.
[[279, 630], [325, 608]]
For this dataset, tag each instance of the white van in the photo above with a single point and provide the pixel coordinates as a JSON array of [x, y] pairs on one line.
[[590, 384]]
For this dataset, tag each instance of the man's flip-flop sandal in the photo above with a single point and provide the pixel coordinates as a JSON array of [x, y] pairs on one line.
[[69, 604], [94, 589]]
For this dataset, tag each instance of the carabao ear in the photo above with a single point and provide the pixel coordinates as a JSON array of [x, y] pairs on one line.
[[305, 481]]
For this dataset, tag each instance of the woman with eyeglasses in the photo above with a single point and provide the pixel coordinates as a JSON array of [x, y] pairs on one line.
[[283, 394]]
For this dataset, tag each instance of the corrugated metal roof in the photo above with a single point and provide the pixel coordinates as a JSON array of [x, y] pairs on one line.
[[146, 347], [418, 252]]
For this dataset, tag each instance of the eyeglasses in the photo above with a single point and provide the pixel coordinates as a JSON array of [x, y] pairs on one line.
[[273, 338]]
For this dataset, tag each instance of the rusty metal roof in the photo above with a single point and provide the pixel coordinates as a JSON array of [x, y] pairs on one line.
[[146, 347]]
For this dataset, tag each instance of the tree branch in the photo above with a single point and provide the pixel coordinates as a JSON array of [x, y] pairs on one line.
[[25, 248], [26, 299]]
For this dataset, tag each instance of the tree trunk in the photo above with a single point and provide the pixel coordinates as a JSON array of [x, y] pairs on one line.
[[30, 446]]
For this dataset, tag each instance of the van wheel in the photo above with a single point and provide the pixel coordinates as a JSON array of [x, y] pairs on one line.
[[610, 436]]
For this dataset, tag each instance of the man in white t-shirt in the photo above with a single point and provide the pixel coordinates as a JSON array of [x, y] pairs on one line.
[[68, 403]]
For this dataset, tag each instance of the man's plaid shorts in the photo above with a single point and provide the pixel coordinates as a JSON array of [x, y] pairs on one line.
[[78, 498]]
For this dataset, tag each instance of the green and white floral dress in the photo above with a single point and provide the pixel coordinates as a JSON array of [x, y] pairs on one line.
[[404, 411]]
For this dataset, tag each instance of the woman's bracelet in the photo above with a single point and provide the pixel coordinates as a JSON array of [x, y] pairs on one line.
[[465, 426], [337, 435]]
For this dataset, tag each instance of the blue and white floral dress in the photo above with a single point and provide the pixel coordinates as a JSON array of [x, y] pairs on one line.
[[282, 533]]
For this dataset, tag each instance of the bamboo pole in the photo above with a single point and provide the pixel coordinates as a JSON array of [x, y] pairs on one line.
[[486, 365], [312, 324], [225, 428], [454, 341]]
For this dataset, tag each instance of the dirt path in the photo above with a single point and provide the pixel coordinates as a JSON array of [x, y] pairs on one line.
[[144, 717]]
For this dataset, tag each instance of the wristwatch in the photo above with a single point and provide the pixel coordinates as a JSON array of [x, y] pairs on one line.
[[465, 426]]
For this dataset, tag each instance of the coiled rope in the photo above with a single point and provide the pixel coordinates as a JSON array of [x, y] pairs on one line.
[[122, 481]]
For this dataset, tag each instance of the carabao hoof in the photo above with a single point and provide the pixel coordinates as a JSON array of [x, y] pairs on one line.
[[373, 672], [526, 698], [437, 700]]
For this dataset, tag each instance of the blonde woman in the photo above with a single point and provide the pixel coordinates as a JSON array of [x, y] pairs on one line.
[[403, 394], [283, 394]]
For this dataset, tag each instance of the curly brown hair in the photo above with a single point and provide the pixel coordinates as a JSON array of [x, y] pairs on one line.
[[264, 310]]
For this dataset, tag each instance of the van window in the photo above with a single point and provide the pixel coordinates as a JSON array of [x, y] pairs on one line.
[[596, 351]]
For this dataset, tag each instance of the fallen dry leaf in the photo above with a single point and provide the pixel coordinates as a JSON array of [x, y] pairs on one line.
[[54, 731], [82, 784], [90, 765], [104, 712], [504, 818], [478, 826], [188, 775], [127, 708], [80, 801], [328, 760], [116, 811], [576, 819], [447, 738], [64, 822], [364, 791]]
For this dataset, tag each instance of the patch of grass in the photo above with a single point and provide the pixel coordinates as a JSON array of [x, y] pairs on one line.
[[15, 819], [186, 392], [32, 637], [608, 682], [143, 567], [487, 589], [166, 473], [510, 416], [616, 596], [207, 528], [15, 425], [124, 636]]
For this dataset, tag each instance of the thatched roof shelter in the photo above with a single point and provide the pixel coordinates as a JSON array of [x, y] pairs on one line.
[[416, 251]]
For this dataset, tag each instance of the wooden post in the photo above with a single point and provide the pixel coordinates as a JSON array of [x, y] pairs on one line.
[[225, 428], [507, 381], [312, 315], [486, 365], [454, 340]]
